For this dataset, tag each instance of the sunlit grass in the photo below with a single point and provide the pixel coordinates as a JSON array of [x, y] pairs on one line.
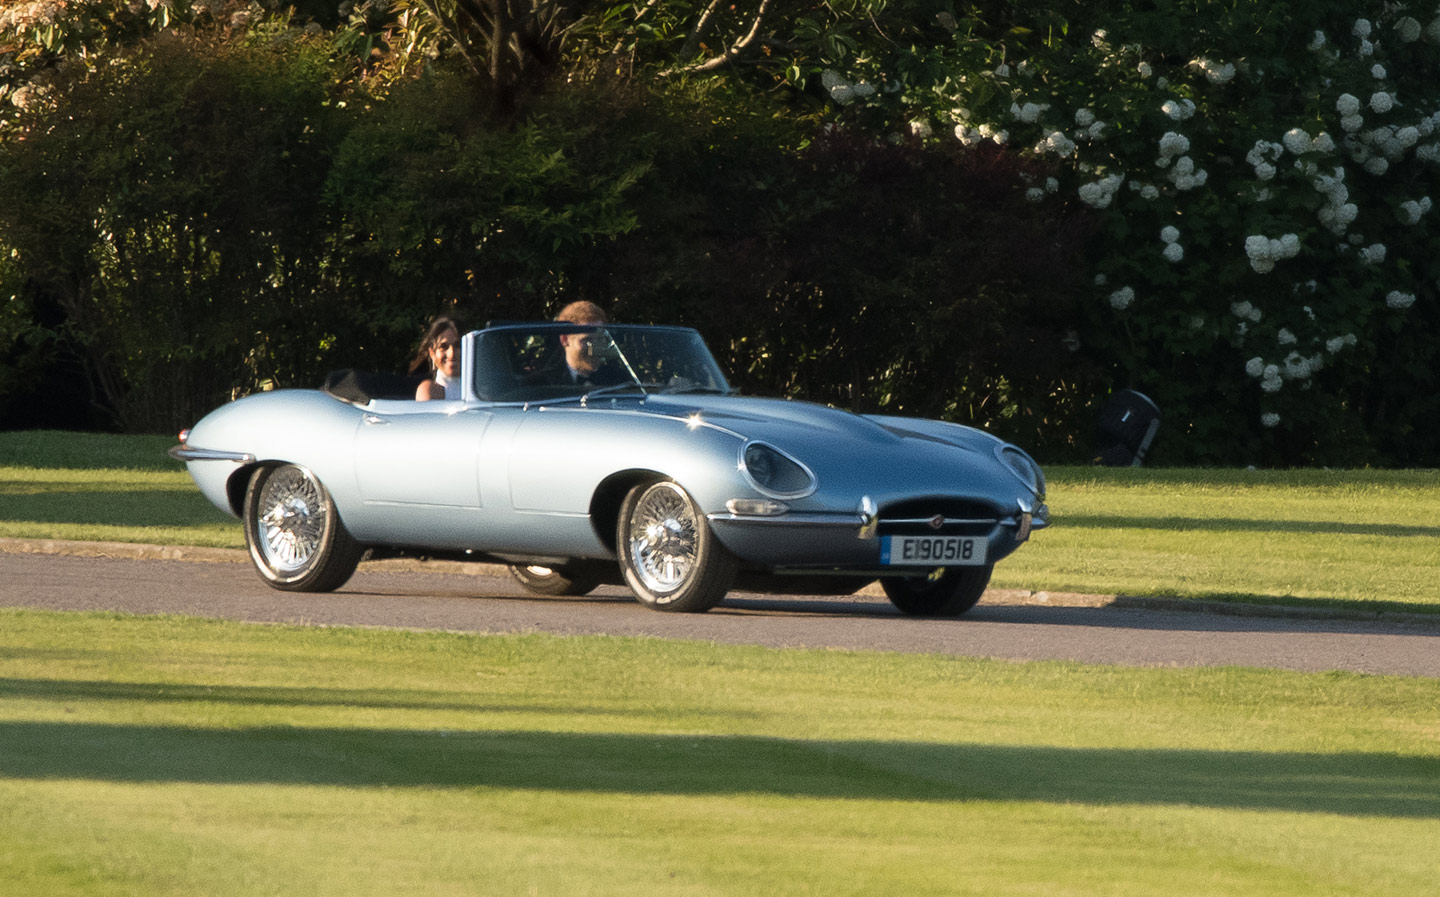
[[163, 756], [1312, 536]]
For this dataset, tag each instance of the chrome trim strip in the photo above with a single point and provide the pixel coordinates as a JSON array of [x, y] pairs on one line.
[[185, 453], [948, 520], [788, 519]]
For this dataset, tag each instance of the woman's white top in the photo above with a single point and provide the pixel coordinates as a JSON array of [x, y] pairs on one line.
[[452, 387]]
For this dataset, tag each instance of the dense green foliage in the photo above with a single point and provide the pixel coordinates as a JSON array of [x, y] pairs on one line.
[[992, 213]]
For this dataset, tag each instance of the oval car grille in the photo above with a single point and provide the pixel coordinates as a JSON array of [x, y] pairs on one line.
[[962, 517]]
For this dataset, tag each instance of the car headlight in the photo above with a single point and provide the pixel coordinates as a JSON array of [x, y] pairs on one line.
[[775, 473], [1024, 467]]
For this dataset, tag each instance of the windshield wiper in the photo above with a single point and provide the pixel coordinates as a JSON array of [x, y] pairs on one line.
[[693, 389], [611, 390]]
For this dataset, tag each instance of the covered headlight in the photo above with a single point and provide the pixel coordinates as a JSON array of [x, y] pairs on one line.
[[1024, 467], [775, 473]]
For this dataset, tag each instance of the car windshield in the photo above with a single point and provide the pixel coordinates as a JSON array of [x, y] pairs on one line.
[[538, 362]]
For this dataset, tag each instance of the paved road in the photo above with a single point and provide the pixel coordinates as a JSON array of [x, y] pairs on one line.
[[470, 602]]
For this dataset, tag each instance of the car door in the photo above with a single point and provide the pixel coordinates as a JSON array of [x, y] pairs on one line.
[[417, 472]]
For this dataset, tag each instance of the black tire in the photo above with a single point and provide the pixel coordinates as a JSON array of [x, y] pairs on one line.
[[955, 591], [669, 557], [296, 539], [571, 579]]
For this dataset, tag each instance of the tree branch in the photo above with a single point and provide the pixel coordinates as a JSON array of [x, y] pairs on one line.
[[733, 52]]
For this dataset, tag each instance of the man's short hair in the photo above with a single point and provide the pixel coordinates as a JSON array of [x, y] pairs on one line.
[[582, 311]]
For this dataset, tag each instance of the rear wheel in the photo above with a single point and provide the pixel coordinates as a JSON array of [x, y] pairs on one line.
[[951, 593], [296, 539], [670, 558], [570, 579]]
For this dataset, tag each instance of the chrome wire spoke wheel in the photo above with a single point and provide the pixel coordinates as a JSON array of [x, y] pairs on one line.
[[664, 538], [294, 532], [292, 519]]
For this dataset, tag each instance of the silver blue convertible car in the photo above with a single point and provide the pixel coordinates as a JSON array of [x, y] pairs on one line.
[[646, 470]]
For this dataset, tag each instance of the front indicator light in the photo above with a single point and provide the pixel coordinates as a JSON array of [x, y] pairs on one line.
[[756, 507], [1022, 533]]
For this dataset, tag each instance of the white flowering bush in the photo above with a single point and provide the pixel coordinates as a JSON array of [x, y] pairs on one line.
[[1290, 309]]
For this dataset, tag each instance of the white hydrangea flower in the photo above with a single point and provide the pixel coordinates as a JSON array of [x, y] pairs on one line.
[[1432, 31], [1365, 49], [1377, 71], [1144, 69], [1178, 110], [1297, 366], [1241, 309], [1285, 337], [1411, 210], [1174, 252], [920, 128], [1323, 143], [1264, 171], [1398, 300], [1352, 123], [1408, 29], [1350, 339], [1001, 71], [1377, 165], [1052, 184], [1317, 41], [1373, 254], [1271, 384], [1215, 72], [1169, 233], [1035, 194], [1096, 130], [1297, 141], [1334, 344], [1084, 118], [1347, 104], [1162, 83], [1382, 102], [1121, 298], [1269, 419], [1150, 191], [1028, 113], [1362, 28], [1173, 144], [1056, 142], [1101, 280], [1255, 367], [839, 89]]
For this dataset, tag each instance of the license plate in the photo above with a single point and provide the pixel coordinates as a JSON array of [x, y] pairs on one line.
[[928, 551]]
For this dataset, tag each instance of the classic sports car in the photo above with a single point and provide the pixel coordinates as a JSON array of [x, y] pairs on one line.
[[649, 460]]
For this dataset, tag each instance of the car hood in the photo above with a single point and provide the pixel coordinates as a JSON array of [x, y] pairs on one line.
[[763, 418]]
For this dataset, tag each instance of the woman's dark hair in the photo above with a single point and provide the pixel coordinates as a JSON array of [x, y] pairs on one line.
[[438, 325]]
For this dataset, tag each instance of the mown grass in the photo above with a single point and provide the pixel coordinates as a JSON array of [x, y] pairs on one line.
[[159, 756], [1367, 539]]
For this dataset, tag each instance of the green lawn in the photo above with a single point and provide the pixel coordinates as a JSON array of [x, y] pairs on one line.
[[166, 756], [1368, 539]]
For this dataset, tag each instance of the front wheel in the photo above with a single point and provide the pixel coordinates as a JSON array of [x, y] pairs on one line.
[[670, 558], [571, 579], [294, 533], [951, 593]]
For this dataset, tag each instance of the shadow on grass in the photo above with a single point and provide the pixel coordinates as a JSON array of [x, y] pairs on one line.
[[1363, 784], [55, 449], [1242, 525], [64, 690], [161, 505]]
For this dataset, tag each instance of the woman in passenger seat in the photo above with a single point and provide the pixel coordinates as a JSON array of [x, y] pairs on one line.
[[440, 349]]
